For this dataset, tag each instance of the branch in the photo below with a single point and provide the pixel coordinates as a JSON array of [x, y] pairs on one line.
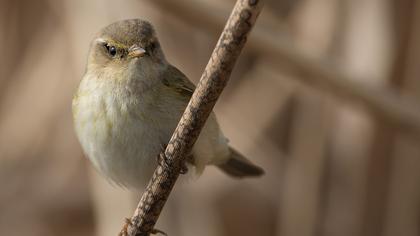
[[318, 73], [199, 108]]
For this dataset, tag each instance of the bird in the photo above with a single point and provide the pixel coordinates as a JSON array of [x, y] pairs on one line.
[[128, 104]]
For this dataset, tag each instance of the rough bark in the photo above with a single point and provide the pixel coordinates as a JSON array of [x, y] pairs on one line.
[[200, 106]]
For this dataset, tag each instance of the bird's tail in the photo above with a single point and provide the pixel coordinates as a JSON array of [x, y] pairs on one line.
[[238, 166]]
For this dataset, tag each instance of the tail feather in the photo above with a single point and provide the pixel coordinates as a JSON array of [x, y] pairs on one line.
[[238, 166]]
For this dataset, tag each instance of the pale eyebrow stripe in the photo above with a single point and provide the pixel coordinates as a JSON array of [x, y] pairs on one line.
[[111, 42], [100, 40]]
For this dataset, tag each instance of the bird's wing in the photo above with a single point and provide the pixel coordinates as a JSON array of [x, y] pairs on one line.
[[177, 81]]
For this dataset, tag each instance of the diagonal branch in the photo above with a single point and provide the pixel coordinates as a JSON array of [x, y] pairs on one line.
[[208, 90]]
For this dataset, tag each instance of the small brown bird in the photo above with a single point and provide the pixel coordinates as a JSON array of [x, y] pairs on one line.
[[129, 103]]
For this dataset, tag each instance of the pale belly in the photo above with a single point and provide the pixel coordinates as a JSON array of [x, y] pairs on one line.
[[123, 146]]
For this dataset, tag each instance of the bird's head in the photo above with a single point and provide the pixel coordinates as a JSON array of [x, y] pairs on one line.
[[126, 46]]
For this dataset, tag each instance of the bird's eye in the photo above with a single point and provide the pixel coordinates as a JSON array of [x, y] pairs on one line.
[[111, 50]]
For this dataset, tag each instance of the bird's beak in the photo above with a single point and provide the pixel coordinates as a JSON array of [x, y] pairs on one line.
[[136, 51]]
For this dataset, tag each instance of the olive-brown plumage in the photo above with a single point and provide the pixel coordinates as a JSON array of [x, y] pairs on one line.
[[129, 103]]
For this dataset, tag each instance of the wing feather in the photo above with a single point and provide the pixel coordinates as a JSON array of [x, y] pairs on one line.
[[177, 81]]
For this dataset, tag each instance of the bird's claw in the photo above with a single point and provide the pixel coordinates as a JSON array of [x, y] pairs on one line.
[[163, 161]]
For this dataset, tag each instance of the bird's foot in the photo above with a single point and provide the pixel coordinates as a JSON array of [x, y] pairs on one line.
[[162, 160]]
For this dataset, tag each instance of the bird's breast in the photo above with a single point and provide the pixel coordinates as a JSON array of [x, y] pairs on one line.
[[116, 130]]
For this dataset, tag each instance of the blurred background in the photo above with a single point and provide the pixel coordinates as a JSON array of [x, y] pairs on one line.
[[334, 166]]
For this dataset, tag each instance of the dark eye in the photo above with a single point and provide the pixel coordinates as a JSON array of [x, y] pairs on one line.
[[111, 50]]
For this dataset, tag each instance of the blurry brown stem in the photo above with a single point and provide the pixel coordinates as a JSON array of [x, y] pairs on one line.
[[200, 106], [315, 72]]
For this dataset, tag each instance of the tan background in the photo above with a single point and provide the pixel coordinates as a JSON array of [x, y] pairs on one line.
[[331, 167]]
